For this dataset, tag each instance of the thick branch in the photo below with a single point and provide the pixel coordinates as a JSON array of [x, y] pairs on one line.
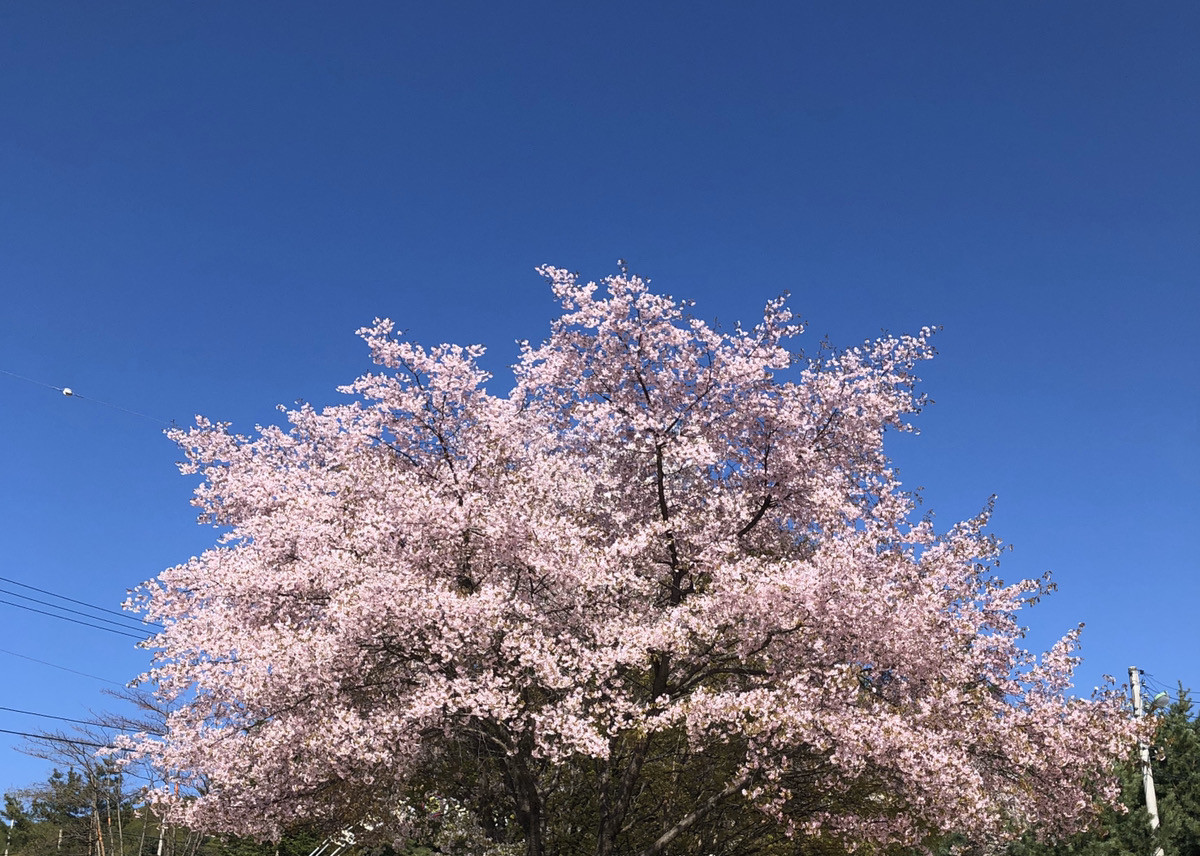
[[767, 503], [664, 509], [613, 813], [670, 835]]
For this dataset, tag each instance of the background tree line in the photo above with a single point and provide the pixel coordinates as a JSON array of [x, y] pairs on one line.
[[93, 812]]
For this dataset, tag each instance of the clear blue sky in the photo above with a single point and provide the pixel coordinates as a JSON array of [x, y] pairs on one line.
[[199, 204]]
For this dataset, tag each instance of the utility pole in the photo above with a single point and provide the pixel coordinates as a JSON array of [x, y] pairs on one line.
[[1135, 682]]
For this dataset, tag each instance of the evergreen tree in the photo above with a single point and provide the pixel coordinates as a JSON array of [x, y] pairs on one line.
[[20, 826], [1176, 760]]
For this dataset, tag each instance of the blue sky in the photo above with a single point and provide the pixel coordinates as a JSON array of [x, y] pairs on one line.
[[200, 203]]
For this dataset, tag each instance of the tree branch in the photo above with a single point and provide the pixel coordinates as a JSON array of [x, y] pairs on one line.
[[670, 835]]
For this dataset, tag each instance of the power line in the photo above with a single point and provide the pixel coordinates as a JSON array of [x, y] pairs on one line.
[[117, 628], [137, 636], [68, 609], [30, 380], [124, 409], [70, 393], [1173, 696], [71, 599], [65, 719], [58, 739], [62, 668]]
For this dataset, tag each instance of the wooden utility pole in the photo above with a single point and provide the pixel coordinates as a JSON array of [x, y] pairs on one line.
[[1135, 683]]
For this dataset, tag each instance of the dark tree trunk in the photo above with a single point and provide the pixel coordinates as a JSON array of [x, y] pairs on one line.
[[527, 803]]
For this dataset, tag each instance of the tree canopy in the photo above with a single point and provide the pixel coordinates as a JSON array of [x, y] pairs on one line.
[[666, 595]]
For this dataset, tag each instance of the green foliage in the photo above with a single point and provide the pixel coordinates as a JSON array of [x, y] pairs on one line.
[[298, 842], [1176, 762], [88, 813], [61, 799], [21, 827], [80, 813]]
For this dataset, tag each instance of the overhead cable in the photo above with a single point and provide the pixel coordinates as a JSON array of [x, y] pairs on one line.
[[58, 739], [138, 636], [65, 719], [61, 668], [68, 609], [124, 615], [71, 393]]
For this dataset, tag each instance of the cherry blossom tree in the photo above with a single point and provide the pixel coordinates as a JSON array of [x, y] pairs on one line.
[[666, 596]]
